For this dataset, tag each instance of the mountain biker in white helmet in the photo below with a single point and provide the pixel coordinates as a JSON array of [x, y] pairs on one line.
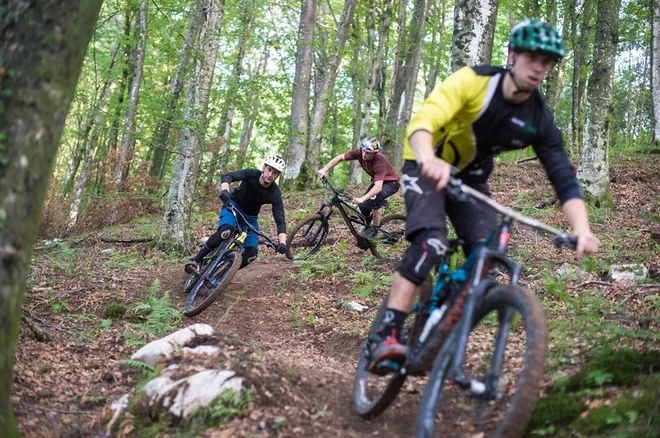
[[257, 188], [384, 181]]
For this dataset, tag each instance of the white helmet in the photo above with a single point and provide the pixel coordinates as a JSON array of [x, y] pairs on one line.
[[276, 162]]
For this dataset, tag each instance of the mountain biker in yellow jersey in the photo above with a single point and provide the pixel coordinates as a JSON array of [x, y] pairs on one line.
[[256, 189], [474, 114], [384, 181]]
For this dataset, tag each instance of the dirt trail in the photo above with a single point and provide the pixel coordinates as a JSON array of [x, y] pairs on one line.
[[321, 361]]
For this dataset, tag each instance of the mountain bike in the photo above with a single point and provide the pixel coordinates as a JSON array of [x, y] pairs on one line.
[[311, 233], [469, 302], [220, 266]]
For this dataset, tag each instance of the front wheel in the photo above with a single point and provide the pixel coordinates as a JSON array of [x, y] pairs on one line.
[[390, 242], [211, 283], [307, 237], [511, 386]]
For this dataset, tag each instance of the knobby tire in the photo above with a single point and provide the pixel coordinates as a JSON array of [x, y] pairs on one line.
[[225, 270], [310, 233]]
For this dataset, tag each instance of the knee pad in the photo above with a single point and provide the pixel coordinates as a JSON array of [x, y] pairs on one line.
[[218, 237], [427, 249], [249, 255]]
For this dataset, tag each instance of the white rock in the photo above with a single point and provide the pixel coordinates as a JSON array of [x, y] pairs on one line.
[[170, 344], [352, 305], [185, 396], [572, 273], [202, 350], [630, 273]]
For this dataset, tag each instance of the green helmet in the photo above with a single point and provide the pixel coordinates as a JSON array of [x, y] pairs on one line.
[[537, 36]]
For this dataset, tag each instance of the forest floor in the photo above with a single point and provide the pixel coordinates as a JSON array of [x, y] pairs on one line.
[[282, 326]]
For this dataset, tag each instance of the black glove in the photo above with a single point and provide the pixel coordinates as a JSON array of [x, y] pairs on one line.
[[224, 196], [280, 248]]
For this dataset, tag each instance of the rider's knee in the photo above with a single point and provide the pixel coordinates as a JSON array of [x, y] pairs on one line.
[[219, 236], [249, 255], [426, 250], [365, 209]]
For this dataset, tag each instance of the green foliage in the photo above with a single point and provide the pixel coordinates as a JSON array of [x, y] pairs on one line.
[[555, 286], [227, 406], [131, 363], [59, 307], [555, 409], [156, 313], [115, 311], [366, 282]]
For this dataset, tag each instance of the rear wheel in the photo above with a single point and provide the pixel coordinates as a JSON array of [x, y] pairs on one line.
[[307, 237], [211, 284], [390, 243], [503, 410]]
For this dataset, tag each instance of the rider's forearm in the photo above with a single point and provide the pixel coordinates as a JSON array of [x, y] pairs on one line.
[[281, 238], [421, 143], [224, 186], [576, 214], [376, 189], [333, 162]]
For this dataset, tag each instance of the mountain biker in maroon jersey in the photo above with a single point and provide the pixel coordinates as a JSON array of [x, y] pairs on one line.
[[384, 181], [474, 114]]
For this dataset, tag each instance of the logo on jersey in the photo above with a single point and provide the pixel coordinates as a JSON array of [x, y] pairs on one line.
[[529, 128], [410, 183]]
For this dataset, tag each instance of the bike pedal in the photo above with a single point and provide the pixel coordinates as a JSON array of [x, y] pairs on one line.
[[388, 365]]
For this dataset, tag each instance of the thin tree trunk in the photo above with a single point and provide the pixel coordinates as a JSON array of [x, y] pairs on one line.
[[474, 30], [407, 74], [227, 115], [381, 90], [355, 172], [436, 55], [297, 148], [125, 76], [323, 99], [580, 70], [252, 110], [34, 102], [655, 70], [162, 132], [594, 172], [128, 138], [176, 224]]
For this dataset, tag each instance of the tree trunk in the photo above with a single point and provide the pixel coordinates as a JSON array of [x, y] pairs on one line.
[[436, 54], [297, 148], [593, 172], [655, 70], [406, 75], [128, 138], [327, 83], [474, 30], [357, 81], [176, 224], [580, 69], [36, 93], [227, 115], [253, 107], [162, 132]]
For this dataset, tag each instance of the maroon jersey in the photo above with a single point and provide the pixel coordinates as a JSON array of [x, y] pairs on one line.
[[379, 169]]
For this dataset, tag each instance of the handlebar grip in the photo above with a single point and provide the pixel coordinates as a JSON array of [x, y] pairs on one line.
[[566, 240]]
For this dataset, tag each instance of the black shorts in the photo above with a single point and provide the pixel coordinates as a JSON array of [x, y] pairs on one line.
[[389, 188], [428, 209]]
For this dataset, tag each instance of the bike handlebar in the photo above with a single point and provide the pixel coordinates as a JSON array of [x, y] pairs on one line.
[[343, 196], [463, 192]]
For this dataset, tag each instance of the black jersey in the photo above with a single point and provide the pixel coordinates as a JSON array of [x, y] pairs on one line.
[[250, 195]]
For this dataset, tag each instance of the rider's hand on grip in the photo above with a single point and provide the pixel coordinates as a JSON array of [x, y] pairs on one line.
[[280, 248], [566, 240], [224, 196]]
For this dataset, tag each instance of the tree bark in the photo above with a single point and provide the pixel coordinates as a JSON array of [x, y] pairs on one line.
[[35, 97], [406, 75], [176, 225], [162, 132], [580, 69], [327, 83], [297, 148], [655, 70], [128, 137], [474, 30], [437, 47], [253, 107], [357, 82], [594, 172]]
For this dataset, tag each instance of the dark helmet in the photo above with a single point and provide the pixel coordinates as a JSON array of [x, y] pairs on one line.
[[537, 36], [370, 144]]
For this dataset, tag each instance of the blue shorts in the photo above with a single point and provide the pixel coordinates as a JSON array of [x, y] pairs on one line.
[[226, 218]]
